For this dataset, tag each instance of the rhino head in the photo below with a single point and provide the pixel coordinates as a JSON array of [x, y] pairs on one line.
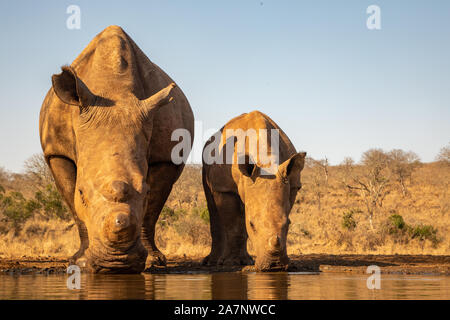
[[112, 151], [268, 200]]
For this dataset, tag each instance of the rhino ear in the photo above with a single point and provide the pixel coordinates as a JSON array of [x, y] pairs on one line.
[[295, 162], [248, 167], [70, 89]]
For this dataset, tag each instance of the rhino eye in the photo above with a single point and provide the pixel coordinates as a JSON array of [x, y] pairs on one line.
[[250, 169], [247, 169], [252, 226]]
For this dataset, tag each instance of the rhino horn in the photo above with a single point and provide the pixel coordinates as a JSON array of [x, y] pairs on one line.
[[159, 99], [275, 243]]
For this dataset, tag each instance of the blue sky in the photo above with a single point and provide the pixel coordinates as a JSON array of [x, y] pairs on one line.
[[335, 87]]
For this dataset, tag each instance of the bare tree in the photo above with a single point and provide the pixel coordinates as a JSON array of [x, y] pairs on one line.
[[346, 174], [318, 178], [444, 155], [4, 176], [402, 164], [324, 165], [371, 179], [37, 169]]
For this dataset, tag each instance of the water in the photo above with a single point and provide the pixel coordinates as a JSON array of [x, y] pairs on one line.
[[225, 286]]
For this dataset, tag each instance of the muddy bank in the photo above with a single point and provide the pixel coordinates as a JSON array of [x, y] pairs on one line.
[[389, 264]]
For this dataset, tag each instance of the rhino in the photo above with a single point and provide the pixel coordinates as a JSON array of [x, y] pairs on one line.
[[105, 128], [247, 200]]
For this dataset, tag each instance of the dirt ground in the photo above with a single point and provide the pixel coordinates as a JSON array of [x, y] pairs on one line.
[[389, 264]]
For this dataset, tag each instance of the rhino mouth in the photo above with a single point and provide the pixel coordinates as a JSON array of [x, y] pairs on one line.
[[101, 259], [270, 263]]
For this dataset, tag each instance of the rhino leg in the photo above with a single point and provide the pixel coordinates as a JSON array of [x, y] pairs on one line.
[[161, 177], [217, 234], [64, 172], [232, 219]]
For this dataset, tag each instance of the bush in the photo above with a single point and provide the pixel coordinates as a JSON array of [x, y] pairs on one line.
[[203, 213], [16, 209], [348, 222], [397, 223], [51, 202], [169, 216], [424, 232], [397, 226]]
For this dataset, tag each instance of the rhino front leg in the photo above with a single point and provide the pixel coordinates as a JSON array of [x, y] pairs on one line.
[[232, 218], [217, 233], [65, 172], [161, 177]]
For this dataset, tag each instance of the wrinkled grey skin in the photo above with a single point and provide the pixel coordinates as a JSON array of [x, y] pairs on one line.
[[243, 202], [105, 128]]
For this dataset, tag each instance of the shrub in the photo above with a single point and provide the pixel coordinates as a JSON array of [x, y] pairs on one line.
[[397, 226], [397, 223], [203, 213], [424, 232], [16, 209], [168, 216], [348, 221], [51, 202]]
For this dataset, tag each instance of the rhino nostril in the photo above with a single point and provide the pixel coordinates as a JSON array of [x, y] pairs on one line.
[[122, 220]]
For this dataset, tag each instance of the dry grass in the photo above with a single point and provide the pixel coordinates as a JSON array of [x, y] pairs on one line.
[[321, 231], [41, 238], [313, 230]]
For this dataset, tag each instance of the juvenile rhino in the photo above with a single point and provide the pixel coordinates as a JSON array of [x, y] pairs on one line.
[[244, 197], [105, 128]]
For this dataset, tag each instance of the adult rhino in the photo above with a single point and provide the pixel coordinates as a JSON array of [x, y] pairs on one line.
[[105, 128], [249, 195]]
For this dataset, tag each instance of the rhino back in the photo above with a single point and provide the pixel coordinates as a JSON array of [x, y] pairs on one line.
[[178, 115], [222, 177], [111, 66], [258, 120]]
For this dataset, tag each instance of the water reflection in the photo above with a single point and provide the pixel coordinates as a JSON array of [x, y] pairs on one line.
[[114, 287], [181, 286], [268, 286], [219, 286], [226, 285]]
